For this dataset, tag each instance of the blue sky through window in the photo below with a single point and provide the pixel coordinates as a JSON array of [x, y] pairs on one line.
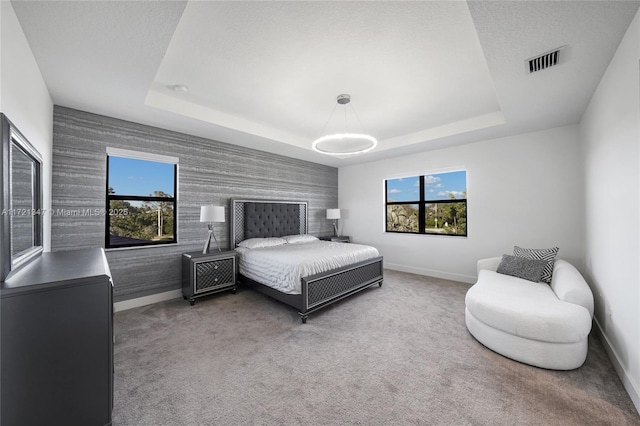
[[129, 176], [403, 189], [437, 186]]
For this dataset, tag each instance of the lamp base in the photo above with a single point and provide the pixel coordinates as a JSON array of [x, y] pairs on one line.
[[205, 250]]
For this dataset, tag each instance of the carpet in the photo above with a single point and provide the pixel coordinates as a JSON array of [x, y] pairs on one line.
[[399, 354]]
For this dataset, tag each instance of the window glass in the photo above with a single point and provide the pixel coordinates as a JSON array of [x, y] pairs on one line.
[[445, 186], [448, 218], [132, 176], [403, 189], [403, 217], [141, 203]]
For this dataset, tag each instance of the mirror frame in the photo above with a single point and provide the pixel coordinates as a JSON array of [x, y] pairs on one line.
[[11, 135]]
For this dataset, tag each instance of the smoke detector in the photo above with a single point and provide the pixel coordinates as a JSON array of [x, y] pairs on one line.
[[178, 88]]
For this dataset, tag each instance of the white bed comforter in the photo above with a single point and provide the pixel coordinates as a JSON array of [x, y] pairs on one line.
[[281, 267]]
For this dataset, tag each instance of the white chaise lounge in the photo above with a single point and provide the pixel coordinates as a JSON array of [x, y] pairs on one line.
[[532, 322]]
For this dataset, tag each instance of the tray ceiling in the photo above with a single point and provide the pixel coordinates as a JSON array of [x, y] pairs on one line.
[[421, 75]]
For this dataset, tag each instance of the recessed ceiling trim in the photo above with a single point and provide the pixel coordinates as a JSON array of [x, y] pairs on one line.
[[161, 98], [485, 121]]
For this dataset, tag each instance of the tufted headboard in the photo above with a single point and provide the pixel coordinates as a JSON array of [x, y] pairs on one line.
[[266, 218]]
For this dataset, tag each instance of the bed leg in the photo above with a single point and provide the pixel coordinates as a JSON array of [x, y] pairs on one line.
[[380, 284], [303, 318]]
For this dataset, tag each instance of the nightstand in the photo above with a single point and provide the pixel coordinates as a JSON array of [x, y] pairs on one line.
[[205, 274], [341, 239]]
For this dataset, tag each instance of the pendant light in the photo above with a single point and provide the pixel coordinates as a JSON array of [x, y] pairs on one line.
[[347, 143]]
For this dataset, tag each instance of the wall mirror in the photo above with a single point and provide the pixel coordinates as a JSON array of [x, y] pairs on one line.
[[21, 207]]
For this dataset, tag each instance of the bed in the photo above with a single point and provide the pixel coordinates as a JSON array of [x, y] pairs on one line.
[[264, 219]]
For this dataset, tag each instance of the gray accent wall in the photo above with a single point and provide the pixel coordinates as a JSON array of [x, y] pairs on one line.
[[209, 172]]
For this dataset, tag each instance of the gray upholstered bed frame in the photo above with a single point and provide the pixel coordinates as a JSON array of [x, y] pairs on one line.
[[273, 218]]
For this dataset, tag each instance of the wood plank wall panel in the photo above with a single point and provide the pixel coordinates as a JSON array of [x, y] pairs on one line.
[[209, 172]]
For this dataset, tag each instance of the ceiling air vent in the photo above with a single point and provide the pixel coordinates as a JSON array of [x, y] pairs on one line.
[[546, 60]]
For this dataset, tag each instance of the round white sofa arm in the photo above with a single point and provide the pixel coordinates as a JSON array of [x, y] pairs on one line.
[[490, 264], [569, 285]]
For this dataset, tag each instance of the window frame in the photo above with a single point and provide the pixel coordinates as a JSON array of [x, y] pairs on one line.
[[422, 203], [122, 153]]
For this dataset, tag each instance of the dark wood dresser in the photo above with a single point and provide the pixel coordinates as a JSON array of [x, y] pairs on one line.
[[56, 342]]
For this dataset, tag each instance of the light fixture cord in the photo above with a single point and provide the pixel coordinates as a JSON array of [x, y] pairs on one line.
[[329, 119], [346, 121], [358, 118]]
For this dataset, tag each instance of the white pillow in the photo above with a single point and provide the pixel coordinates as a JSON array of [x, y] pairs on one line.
[[262, 242], [301, 238]]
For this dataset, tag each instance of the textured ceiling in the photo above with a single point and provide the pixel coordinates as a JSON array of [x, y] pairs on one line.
[[422, 75]]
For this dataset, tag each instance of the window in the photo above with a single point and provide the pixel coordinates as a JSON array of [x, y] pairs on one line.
[[141, 199], [428, 204]]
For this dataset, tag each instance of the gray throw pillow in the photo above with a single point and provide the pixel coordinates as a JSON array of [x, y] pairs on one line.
[[548, 255], [527, 269]]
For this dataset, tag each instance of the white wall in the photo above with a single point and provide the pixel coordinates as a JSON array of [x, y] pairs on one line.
[[523, 190], [25, 99], [610, 136]]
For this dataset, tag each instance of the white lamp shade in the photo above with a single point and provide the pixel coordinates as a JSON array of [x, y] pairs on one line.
[[212, 214], [333, 214]]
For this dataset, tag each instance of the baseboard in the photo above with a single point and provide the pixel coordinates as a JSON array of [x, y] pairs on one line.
[[627, 381], [430, 273], [147, 300]]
